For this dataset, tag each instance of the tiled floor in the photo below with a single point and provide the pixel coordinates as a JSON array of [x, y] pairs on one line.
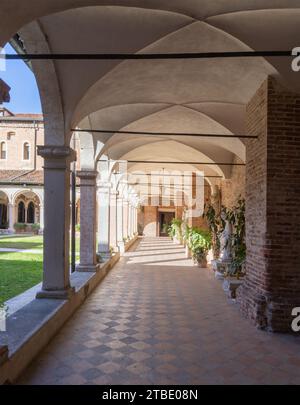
[[157, 319]]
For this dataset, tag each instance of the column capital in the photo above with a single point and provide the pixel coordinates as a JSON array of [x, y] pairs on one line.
[[56, 156], [87, 177], [87, 174]]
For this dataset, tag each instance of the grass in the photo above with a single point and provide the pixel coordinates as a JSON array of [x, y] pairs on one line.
[[20, 271], [27, 242], [22, 242]]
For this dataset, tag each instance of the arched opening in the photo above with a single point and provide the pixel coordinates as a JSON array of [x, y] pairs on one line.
[[3, 151], [209, 97], [3, 210], [21, 212], [31, 213], [26, 151]]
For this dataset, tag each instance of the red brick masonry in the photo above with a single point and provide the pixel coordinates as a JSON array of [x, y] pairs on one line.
[[272, 285]]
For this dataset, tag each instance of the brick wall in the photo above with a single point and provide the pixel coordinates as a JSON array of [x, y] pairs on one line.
[[272, 285], [234, 188], [150, 221]]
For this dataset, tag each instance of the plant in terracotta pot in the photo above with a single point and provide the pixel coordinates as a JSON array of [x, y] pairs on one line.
[[187, 232], [200, 242], [175, 230], [215, 224], [238, 244]]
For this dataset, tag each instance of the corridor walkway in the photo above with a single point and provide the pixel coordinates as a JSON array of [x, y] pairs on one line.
[[157, 319]]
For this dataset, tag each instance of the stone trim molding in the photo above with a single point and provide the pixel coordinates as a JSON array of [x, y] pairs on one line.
[[56, 157]]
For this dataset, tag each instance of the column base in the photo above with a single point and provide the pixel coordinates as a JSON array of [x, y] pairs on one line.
[[83, 268], [56, 294], [121, 247], [104, 256]]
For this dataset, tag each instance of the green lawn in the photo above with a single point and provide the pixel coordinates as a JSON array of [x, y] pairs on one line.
[[26, 242], [20, 271], [22, 242]]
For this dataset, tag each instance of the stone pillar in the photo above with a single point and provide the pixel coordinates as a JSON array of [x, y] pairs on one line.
[[272, 286], [135, 220], [129, 220], [113, 219], [120, 225], [56, 275], [11, 217], [125, 218], [103, 221], [88, 202], [41, 217]]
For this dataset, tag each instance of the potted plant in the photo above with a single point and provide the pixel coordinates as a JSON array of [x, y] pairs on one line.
[[35, 228], [19, 227], [200, 242], [236, 271], [175, 230], [214, 224], [187, 232]]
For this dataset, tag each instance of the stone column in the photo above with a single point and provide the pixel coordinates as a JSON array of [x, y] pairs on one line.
[[132, 220], [88, 201], [272, 286], [41, 217], [120, 225], [11, 217], [56, 275], [103, 221], [135, 220], [125, 218], [129, 220], [113, 219]]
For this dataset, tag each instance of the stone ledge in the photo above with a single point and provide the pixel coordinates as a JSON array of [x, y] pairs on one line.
[[31, 328], [131, 242]]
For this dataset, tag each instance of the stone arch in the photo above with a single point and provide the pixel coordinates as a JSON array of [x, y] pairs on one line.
[[35, 41], [4, 200], [29, 213]]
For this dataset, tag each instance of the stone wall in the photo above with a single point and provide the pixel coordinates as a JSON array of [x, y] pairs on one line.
[[272, 286]]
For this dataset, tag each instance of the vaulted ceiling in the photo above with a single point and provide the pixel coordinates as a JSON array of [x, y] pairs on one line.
[[204, 96]]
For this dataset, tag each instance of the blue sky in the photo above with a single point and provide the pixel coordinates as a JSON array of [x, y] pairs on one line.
[[24, 94]]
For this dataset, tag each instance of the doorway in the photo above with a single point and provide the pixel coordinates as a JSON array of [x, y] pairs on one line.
[[165, 219]]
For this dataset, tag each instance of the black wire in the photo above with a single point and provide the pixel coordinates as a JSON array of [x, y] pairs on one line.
[[143, 56]]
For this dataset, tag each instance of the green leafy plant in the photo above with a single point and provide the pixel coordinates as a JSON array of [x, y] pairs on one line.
[[214, 223], [187, 232], [175, 229], [238, 242], [19, 226], [200, 244]]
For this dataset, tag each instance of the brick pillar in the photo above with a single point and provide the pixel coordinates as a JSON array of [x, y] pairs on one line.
[[272, 286]]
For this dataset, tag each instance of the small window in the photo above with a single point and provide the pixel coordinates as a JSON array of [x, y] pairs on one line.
[[26, 152], [3, 150]]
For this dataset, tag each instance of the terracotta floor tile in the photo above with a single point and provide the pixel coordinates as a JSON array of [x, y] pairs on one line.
[[153, 321]]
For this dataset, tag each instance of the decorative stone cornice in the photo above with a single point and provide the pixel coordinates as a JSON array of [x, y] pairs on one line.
[[87, 178], [56, 157], [87, 174]]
